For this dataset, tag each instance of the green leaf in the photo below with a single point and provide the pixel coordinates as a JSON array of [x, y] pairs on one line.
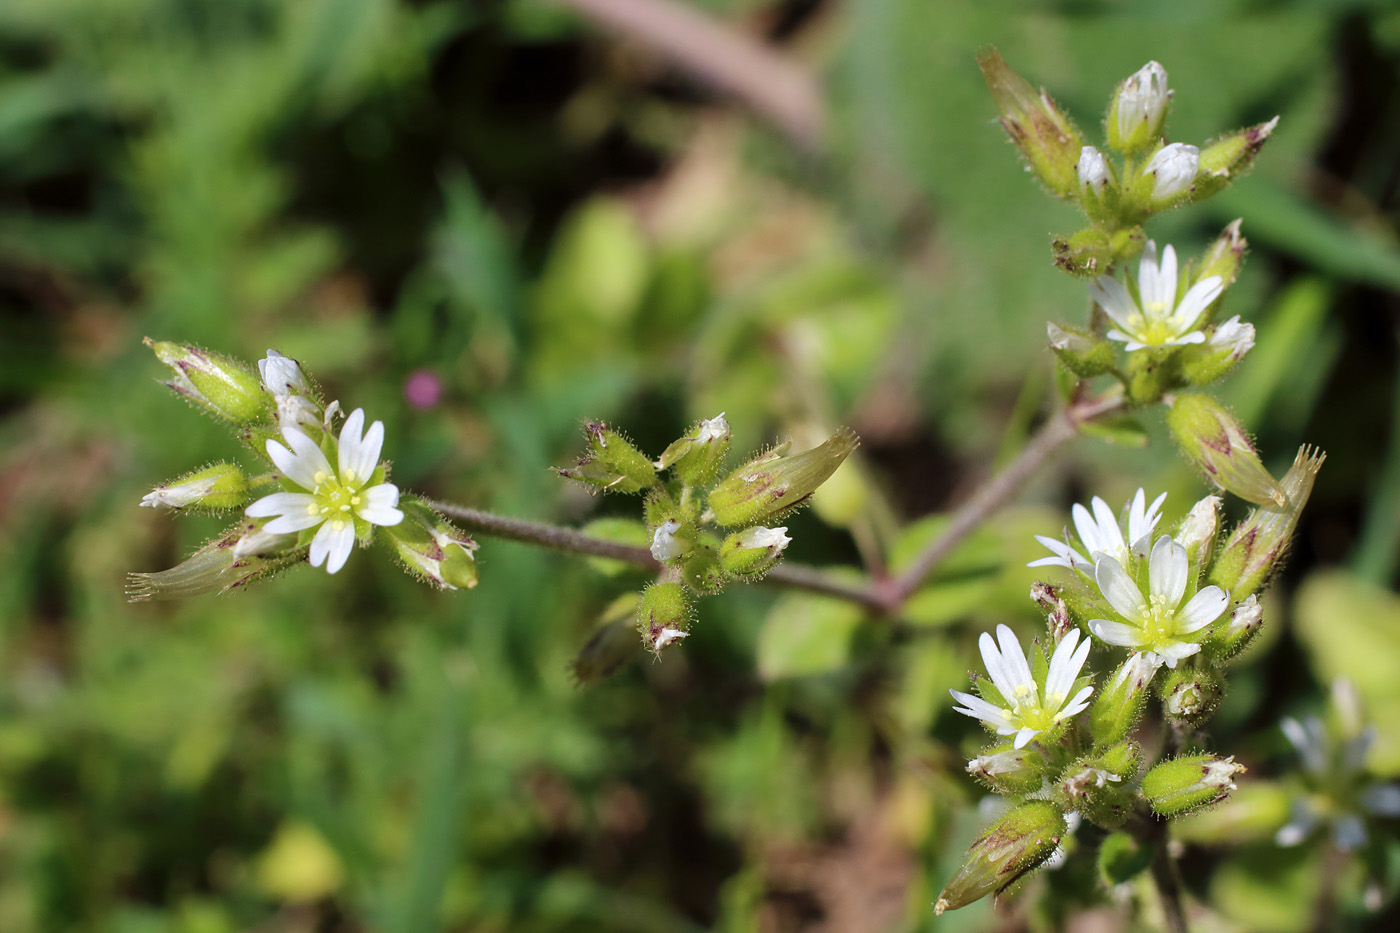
[[806, 634]]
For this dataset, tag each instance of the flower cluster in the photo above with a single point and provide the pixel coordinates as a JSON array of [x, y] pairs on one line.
[[327, 491], [705, 529]]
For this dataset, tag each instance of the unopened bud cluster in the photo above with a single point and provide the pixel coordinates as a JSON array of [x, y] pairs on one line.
[[319, 492], [1165, 317], [706, 527]]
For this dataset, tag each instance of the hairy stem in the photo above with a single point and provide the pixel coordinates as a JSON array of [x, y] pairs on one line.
[[997, 491], [791, 576]]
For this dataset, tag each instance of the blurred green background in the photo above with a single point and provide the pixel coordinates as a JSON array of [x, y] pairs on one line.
[[555, 222]]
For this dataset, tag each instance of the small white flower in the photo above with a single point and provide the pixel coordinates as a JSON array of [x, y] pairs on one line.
[[760, 537], [1031, 711], [664, 544], [281, 375], [1154, 624], [1100, 533], [712, 429], [1142, 99], [1092, 169], [179, 495], [1234, 336], [333, 496], [1156, 319], [1173, 169]]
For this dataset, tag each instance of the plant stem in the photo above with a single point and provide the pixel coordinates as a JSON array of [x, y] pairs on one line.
[[1168, 887], [791, 576], [1063, 427]]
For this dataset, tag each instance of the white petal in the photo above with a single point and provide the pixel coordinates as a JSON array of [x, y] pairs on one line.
[[1166, 279], [358, 450], [1087, 528], [1202, 609], [996, 668], [1015, 659], [1065, 665], [380, 515], [1166, 572], [1117, 303], [332, 545], [978, 708], [1076, 706], [293, 522], [1065, 556], [308, 466], [281, 503], [1196, 300], [1116, 633], [1119, 589], [1024, 737], [1171, 653], [1110, 535]]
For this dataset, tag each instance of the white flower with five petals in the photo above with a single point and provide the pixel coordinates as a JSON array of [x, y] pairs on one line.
[[1155, 318], [1029, 710], [1100, 533], [1157, 624], [336, 496]]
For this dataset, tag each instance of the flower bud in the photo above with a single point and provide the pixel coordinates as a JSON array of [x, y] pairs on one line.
[[1119, 704], [1215, 442], [1099, 786], [1190, 696], [1098, 191], [669, 542], [220, 486], [1257, 546], [697, 458], [1081, 353], [1015, 844], [753, 551], [1199, 530], [1138, 109], [1165, 179], [1224, 257], [281, 375], [663, 616], [771, 484], [218, 384], [1047, 138], [1204, 363], [1244, 624], [1189, 783], [430, 548], [702, 571], [219, 566], [1229, 157], [1009, 770], [612, 463]]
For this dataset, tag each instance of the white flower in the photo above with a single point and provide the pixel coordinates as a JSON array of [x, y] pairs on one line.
[[760, 537], [335, 497], [664, 544], [1142, 99], [1154, 624], [1234, 336], [1101, 533], [1031, 711], [282, 375], [1092, 169], [1173, 169], [1156, 319], [712, 429]]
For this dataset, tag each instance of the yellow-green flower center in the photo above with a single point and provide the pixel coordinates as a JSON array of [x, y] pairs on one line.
[[334, 500]]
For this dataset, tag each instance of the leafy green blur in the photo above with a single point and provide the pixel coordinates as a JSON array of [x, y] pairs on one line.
[[504, 204]]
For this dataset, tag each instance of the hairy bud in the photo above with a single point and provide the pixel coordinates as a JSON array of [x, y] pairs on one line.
[[1256, 548], [1015, 844], [1189, 783], [1216, 443], [772, 484], [1047, 138], [612, 464], [220, 385], [220, 486]]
